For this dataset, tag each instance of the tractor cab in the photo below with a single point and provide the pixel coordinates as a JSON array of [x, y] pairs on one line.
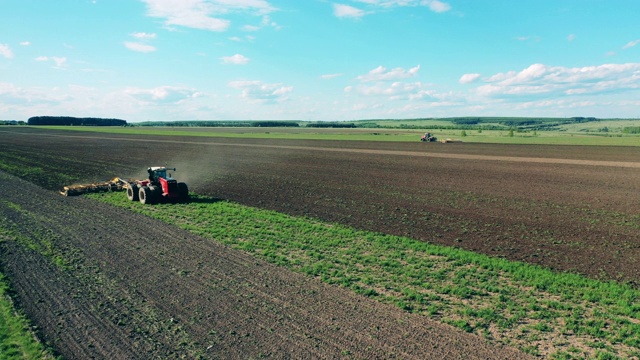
[[157, 172]]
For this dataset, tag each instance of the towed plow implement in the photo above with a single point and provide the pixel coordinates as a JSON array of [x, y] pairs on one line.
[[116, 184]]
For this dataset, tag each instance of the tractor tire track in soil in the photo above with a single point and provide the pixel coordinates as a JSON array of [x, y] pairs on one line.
[[131, 287]]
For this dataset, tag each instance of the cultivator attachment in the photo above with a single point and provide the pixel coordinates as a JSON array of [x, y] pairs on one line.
[[116, 184]]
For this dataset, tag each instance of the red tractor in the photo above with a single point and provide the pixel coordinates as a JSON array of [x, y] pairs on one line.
[[428, 137], [158, 187]]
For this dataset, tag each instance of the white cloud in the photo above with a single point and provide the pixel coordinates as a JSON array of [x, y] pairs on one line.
[[390, 88], [262, 92], [631, 44], [266, 21], [346, 11], [381, 74], [25, 43], [394, 91], [544, 80], [330, 76], [139, 47], [142, 44], [5, 51], [144, 35], [204, 14], [250, 28], [571, 37], [59, 61], [236, 59], [433, 5], [14, 96], [436, 6], [468, 78], [162, 94]]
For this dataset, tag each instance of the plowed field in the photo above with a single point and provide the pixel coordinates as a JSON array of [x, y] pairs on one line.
[[564, 207], [140, 289]]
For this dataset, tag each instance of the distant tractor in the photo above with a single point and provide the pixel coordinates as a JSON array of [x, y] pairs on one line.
[[428, 137], [158, 187]]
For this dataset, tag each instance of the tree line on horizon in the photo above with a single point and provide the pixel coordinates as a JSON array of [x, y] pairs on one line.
[[74, 121]]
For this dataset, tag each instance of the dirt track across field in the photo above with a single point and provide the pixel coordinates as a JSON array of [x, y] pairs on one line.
[[136, 288]]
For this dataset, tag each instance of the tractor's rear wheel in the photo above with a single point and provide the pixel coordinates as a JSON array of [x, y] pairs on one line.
[[145, 195], [132, 192], [183, 192]]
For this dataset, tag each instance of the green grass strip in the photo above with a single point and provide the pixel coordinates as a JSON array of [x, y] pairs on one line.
[[362, 134], [39, 239], [16, 339], [557, 315]]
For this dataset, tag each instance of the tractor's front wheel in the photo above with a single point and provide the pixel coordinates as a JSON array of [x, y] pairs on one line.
[[132, 192]]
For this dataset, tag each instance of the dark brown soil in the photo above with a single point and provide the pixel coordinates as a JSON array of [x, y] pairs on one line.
[[568, 208], [137, 288]]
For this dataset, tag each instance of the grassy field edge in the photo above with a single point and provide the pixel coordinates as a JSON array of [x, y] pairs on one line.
[[17, 341], [383, 134]]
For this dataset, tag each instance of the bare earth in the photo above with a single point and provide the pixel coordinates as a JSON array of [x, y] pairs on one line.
[[159, 292], [140, 289]]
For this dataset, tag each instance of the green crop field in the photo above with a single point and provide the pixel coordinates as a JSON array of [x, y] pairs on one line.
[[506, 136]]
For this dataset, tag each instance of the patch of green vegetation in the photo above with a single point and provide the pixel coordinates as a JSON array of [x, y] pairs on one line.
[[492, 297], [17, 341], [507, 135], [40, 170], [39, 240]]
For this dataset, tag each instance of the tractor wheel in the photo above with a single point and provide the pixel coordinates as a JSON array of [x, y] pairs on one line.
[[132, 192], [183, 192], [156, 194], [145, 195]]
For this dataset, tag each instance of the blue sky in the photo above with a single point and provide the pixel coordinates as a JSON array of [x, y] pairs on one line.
[[143, 60]]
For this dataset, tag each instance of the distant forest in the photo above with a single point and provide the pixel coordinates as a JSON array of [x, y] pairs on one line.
[[68, 120], [220, 123], [12, 122]]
